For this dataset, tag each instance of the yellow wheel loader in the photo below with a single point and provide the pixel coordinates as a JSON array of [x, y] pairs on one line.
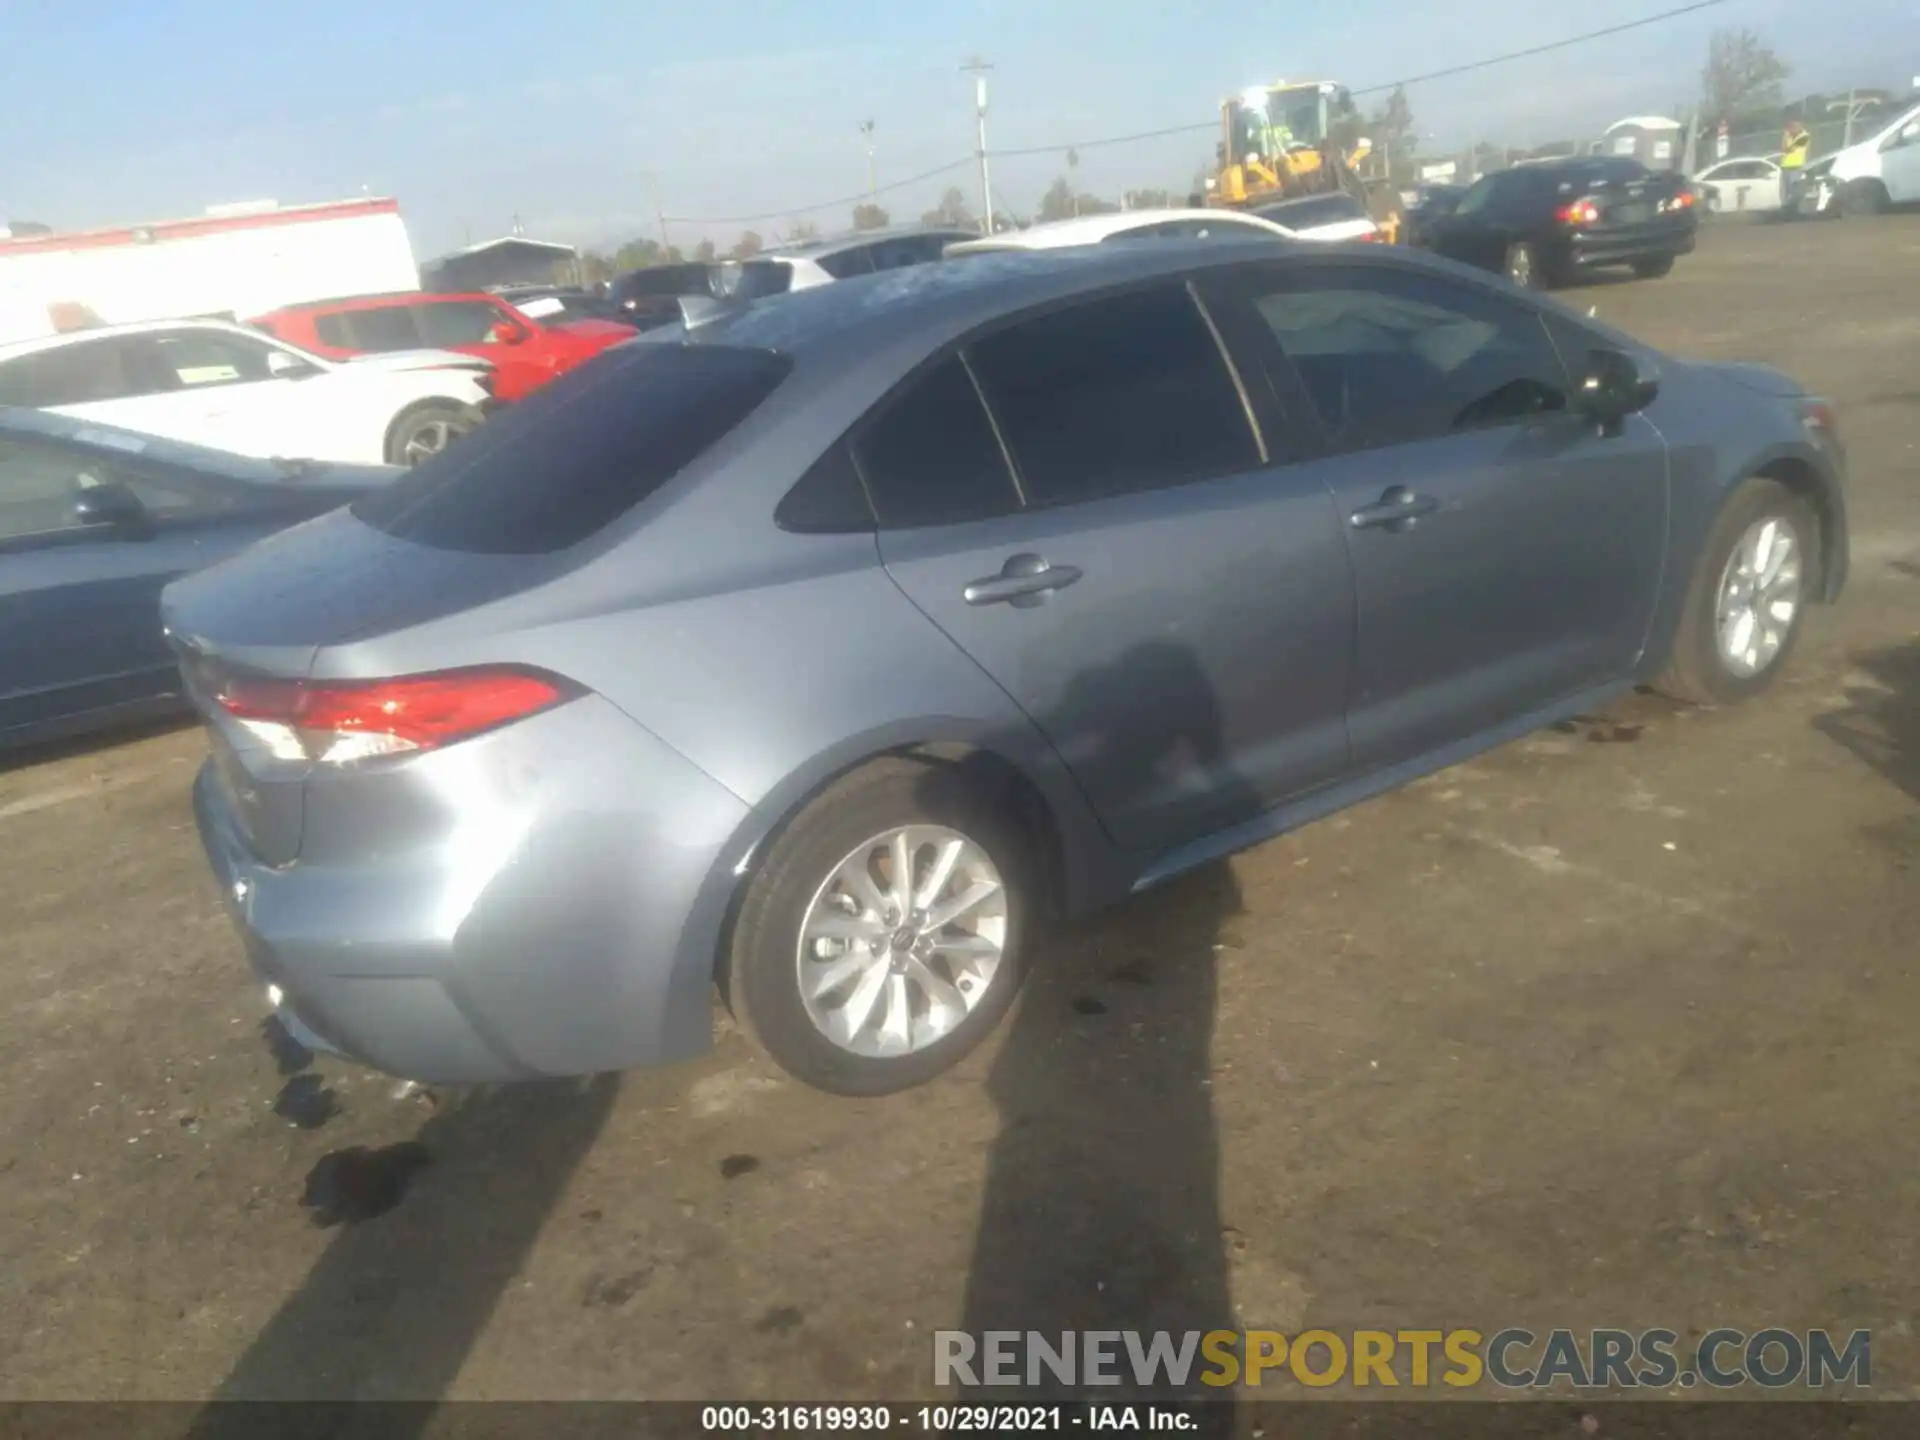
[[1278, 142]]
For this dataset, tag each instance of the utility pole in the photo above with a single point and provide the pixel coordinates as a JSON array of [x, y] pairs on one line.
[[978, 68], [1850, 114], [873, 187], [660, 215]]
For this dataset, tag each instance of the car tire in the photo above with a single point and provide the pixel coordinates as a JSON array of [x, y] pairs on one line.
[[1700, 669], [1864, 197], [1653, 269], [423, 431], [1526, 267], [788, 1009]]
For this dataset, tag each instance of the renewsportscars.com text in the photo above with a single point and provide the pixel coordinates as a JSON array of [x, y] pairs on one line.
[[1512, 1358]]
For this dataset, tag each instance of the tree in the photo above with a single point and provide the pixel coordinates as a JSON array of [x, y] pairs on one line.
[[869, 217], [642, 254], [952, 210], [1742, 75], [704, 252], [802, 231], [747, 246], [1057, 203], [1391, 130]]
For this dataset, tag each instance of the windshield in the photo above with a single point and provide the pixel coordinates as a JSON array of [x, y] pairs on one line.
[[1291, 117]]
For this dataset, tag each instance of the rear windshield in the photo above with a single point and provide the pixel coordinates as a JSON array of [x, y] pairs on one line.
[[557, 467]]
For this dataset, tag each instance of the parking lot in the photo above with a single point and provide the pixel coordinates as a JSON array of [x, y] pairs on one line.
[[1613, 1027]]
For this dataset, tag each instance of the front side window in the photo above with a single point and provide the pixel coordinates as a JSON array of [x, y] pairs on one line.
[[38, 486], [1120, 394], [930, 457], [1390, 357], [446, 323], [845, 264], [195, 359], [1478, 195]]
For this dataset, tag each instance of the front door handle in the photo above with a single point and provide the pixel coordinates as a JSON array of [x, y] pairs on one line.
[[1023, 581], [1396, 510]]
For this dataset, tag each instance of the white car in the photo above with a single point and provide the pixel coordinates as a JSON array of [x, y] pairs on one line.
[[211, 383], [1131, 225], [1876, 173], [1333, 216], [1744, 182]]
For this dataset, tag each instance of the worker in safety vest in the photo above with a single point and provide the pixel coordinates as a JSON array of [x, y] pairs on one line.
[[1794, 145]]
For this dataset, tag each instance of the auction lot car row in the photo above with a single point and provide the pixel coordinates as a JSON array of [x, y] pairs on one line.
[[1645, 993]]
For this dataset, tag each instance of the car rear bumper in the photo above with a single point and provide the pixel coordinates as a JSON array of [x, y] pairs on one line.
[[1591, 251], [542, 901]]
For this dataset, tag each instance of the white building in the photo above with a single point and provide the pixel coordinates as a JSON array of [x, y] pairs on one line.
[[236, 261]]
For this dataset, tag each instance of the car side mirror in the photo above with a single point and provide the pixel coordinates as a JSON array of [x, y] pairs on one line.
[[111, 505], [284, 366], [1614, 386], [504, 334]]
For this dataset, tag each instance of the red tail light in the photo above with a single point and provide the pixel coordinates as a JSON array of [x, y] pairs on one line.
[[1580, 212], [341, 720]]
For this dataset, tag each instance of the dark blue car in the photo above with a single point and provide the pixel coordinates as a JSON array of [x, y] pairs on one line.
[[94, 521]]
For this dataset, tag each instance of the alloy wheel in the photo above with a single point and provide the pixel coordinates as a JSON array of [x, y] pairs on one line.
[[1759, 596], [902, 941]]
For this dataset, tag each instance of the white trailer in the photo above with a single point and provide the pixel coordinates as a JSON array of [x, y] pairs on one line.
[[235, 261]]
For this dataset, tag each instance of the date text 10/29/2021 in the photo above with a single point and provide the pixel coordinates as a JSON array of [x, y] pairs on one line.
[[948, 1419]]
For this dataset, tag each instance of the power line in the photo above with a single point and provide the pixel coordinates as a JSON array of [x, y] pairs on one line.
[[1213, 124], [858, 199], [1544, 49]]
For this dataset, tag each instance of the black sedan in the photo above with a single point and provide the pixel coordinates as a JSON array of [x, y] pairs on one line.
[[1545, 224], [94, 521]]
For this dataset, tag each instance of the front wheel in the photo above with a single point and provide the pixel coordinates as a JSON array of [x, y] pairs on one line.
[[1527, 268], [884, 935], [1653, 269], [426, 430], [1747, 598], [1864, 197]]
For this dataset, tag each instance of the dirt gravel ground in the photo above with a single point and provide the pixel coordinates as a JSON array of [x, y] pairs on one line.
[[1614, 1026]]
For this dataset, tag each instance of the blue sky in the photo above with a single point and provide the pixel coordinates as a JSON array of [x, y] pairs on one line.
[[471, 113]]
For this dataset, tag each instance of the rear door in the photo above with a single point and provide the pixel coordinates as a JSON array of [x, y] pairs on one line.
[[223, 391], [1081, 500], [1505, 555]]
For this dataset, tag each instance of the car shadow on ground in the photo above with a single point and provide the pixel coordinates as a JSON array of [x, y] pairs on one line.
[[1101, 1208], [1880, 724], [47, 752], [391, 1309]]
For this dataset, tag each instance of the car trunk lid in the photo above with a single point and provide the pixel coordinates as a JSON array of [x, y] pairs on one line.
[[269, 612]]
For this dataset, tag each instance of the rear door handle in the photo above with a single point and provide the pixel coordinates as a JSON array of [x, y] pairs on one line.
[[1024, 580], [1395, 511]]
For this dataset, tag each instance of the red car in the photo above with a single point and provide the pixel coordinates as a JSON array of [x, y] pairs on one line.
[[525, 353]]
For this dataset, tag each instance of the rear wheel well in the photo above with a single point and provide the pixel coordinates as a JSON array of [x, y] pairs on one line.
[[1798, 476], [991, 775]]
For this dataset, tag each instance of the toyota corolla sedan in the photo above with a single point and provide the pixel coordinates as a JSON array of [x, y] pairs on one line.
[[811, 650]]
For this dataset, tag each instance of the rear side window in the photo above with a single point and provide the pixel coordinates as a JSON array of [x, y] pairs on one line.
[[387, 328], [930, 458], [845, 264], [554, 469], [1127, 393], [81, 374], [332, 330]]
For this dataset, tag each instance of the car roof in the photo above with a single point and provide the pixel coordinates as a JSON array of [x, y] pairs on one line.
[[934, 302], [382, 300], [1091, 229], [853, 239], [16, 348]]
